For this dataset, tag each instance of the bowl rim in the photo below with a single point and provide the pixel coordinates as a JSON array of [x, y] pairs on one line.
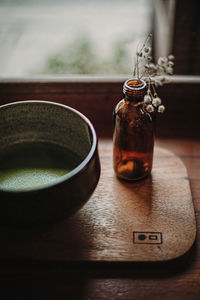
[[73, 172]]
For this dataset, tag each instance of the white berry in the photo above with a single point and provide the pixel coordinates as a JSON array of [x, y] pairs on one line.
[[156, 101], [161, 109]]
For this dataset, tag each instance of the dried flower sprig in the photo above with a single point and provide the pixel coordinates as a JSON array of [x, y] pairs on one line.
[[153, 74]]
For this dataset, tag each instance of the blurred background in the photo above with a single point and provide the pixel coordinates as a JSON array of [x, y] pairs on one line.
[[71, 36], [64, 37]]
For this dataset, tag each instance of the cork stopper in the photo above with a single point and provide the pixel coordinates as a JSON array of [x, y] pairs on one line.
[[134, 88]]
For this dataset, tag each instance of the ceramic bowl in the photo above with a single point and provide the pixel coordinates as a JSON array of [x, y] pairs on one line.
[[45, 123]]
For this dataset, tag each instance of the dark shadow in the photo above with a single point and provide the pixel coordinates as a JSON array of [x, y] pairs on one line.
[[61, 280], [24, 273]]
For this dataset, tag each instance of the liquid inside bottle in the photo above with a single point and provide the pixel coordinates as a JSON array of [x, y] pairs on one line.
[[133, 138]]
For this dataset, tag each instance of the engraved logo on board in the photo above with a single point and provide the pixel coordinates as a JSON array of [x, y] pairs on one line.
[[147, 237]]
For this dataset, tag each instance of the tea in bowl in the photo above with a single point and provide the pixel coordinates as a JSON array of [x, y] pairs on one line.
[[49, 163]]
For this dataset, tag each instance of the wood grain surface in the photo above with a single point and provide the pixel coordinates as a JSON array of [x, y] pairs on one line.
[[151, 220], [47, 280], [44, 279]]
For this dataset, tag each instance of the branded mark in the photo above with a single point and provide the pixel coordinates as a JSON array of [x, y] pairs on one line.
[[146, 237]]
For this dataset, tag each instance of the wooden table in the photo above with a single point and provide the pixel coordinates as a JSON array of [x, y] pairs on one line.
[[96, 98], [179, 279]]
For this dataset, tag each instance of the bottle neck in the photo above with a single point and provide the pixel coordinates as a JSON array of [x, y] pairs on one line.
[[134, 90]]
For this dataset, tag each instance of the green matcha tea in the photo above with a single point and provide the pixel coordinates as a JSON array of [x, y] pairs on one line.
[[30, 165]]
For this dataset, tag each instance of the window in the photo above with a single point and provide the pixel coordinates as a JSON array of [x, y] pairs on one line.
[[46, 37], [30, 35]]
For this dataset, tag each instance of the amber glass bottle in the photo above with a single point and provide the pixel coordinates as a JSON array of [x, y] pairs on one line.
[[133, 137]]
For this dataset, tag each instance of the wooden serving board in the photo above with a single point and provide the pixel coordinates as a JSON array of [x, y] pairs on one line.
[[151, 220]]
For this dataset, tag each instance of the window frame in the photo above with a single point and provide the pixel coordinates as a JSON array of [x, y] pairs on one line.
[[97, 96]]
